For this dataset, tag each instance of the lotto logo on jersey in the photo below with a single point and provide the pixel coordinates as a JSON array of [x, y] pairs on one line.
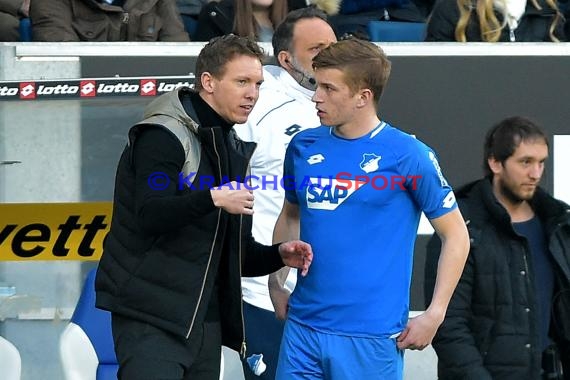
[[328, 193], [449, 200]]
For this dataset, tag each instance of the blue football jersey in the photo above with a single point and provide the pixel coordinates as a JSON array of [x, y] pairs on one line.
[[360, 203]]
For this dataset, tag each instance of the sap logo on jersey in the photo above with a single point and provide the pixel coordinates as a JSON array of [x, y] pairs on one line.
[[328, 193]]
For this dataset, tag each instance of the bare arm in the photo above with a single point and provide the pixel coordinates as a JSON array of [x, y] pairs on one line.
[[452, 231], [454, 250], [286, 228]]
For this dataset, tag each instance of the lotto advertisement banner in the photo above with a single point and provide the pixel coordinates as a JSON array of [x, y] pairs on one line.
[[53, 231], [91, 88]]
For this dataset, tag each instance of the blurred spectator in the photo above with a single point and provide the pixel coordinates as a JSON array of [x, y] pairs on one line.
[[189, 10], [354, 15], [11, 11], [330, 7], [496, 21], [106, 20], [253, 18], [565, 7], [247, 18]]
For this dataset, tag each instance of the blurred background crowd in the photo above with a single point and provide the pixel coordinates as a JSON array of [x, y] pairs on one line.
[[200, 20]]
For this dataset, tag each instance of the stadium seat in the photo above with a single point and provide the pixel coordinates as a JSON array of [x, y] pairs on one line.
[[190, 24], [10, 361], [86, 345], [396, 31], [25, 30]]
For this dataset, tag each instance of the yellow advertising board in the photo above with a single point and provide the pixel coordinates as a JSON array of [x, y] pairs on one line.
[[53, 231]]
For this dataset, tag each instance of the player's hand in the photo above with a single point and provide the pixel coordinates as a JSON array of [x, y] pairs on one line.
[[419, 332], [297, 254]]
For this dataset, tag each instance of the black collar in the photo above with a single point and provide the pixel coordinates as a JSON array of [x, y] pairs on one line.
[[207, 117]]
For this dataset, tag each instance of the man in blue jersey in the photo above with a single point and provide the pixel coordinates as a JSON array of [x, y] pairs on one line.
[[284, 108], [355, 189]]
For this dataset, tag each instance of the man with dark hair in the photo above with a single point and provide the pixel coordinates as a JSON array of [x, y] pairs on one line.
[[284, 109], [355, 190], [180, 237], [509, 317]]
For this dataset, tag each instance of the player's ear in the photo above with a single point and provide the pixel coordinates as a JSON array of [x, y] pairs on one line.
[[365, 96]]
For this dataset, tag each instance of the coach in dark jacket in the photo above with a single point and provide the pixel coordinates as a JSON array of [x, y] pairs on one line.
[[180, 236], [510, 313]]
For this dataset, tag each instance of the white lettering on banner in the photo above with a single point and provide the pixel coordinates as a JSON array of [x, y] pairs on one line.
[[57, 90], [117, 88], [7, 91], [561, 158], [165, 87]]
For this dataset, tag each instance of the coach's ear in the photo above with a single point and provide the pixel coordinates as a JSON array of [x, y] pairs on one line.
[[207, 81]]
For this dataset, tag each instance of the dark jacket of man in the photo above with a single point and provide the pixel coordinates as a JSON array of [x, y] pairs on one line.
[[177, 262], [217, 18], [490, 330], [10, 20], [534, 25], [91, 20]]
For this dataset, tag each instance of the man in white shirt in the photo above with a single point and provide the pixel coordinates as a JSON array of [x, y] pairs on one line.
[[284, 108]]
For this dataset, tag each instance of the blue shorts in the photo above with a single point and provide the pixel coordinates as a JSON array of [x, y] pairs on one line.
[[309, 354]]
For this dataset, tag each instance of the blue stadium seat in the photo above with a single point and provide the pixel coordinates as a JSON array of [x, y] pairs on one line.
[[190, 24], [396, 31], [25, 30], [86, 345]]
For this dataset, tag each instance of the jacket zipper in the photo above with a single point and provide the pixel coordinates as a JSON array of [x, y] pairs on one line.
[[125, 26], [527, 274], [243, 348], [243, 344], [211, 249]]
